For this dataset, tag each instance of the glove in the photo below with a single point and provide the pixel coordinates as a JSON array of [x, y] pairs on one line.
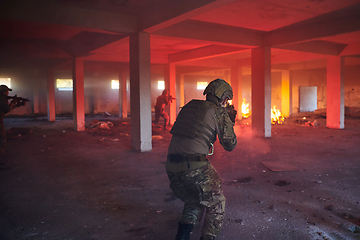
[[232, 112]]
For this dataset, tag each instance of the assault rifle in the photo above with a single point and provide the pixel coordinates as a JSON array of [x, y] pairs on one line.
[[171, 98], [231, 111], [18, 100]]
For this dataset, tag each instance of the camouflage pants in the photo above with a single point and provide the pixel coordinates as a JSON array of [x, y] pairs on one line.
[[200, 190], [163, 114]]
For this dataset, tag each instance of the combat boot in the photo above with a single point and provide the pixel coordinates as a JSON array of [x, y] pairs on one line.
[[184, 231]]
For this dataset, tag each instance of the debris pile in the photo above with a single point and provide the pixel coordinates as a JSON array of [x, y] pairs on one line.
[[101, 124], [307, 122]]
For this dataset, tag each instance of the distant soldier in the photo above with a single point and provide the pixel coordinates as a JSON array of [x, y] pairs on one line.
[[6, 107], [161, 101], [192, 177]]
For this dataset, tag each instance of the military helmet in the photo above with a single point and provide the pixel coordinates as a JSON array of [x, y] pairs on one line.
[[219, 88], [4, 88], [165, 92]]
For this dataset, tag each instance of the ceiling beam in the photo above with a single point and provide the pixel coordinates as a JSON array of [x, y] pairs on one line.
[[317, 46], [194, 29], [167, 13], [48, 12], [209, 62], [188, 69], [202, 53], [337, 22]]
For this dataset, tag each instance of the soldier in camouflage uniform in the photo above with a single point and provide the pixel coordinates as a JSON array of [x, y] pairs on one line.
[[161, 101], [5, 107], [192, 177]]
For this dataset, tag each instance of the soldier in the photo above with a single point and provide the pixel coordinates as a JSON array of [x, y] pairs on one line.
[[192, 177], [161, 101], [6, 107]]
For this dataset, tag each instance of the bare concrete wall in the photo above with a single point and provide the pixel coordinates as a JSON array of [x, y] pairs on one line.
[[352, 86], [308, 78]]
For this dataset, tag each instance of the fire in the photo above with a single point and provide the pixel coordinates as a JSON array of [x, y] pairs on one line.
[[245, 110], [276, 116]]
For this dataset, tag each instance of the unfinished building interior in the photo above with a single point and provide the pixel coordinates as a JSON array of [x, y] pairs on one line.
[[107, 60]]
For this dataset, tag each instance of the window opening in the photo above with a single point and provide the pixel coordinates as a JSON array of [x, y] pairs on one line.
[[64, 84]]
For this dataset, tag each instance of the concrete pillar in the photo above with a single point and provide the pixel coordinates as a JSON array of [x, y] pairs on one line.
[[291, 105], [123, 103], [170, 79], [36, 87], [335, 110], [51, 96], [182, 91], [285, 93], [261, 91], [140, 92], [78, 94], [236, 84]]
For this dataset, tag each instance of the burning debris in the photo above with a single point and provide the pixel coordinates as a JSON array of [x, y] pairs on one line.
[[245, 110], [276, 116]]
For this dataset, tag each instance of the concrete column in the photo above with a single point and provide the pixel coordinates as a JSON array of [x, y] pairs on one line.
[[78, 94], [236, 84], [335, 110], [261, 91], [182, 91], [170, 79], [291, 105], [123, 103], [285, 93], [36, 102], [140, 92], [51, 95]]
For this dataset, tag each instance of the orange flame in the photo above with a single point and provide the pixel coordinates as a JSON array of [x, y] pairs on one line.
[[276, 116], [245, 110]]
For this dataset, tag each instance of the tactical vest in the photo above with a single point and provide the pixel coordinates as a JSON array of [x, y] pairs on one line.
[[190, 121]]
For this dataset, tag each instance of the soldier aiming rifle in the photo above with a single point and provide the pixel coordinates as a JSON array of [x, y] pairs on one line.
[[5, 107], [161, 101]]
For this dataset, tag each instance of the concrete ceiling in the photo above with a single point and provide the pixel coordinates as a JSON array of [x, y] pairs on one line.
[[207, 33]]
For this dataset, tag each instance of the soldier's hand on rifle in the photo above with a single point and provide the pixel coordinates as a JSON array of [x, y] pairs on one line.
[[21, 103], [232, 112], [170, 98]]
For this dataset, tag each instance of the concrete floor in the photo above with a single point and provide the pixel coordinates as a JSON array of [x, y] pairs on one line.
[[302, 183]]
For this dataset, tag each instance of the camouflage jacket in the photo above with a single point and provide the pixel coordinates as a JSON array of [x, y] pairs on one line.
[[213, 122]]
